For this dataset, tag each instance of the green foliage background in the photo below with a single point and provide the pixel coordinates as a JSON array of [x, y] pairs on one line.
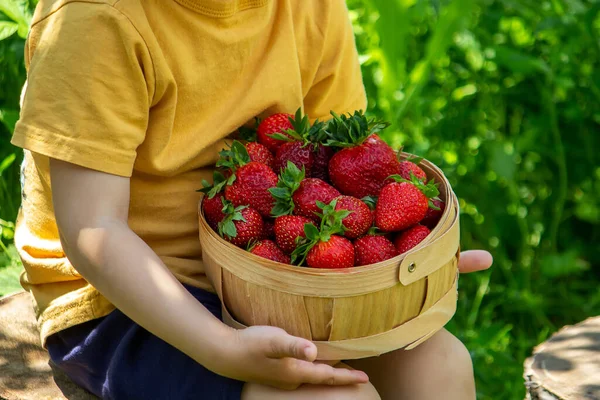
[[504, 95]]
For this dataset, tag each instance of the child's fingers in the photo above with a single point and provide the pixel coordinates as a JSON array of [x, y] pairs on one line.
[[474, 260], [282, 345], [323, 374]]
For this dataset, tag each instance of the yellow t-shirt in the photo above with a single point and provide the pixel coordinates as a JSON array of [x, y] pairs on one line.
[[148, 89]]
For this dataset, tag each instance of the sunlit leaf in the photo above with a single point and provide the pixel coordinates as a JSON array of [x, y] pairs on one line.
[[7, 28]]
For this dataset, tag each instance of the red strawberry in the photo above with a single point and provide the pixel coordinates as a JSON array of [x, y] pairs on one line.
[[299, 153], [320, 167], [337, 252], [403, 204], [360, 219], [302, 150], [298, 195], [433, 216], [269, 228], [365, 161], [251, 187], [277, 123], [371, 249], [406, 167], [310, 191], [213, 210], [410, 238], [268, 249], [288, 228], [241, 225], [259, 153]]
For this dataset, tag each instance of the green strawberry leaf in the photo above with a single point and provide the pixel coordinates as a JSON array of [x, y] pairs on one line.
[[433, 206], [311, 232], [289, 181], [351, 130], [371, 201], [227, 228], [247, 133], [415, 159], [219, 183], [233, 158], [282, 137]]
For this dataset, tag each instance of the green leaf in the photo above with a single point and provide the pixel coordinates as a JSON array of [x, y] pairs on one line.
[[311, 232], [7, 29], [9, 118], [7, 162], [558, 265], [17, 11], [519, 62], [227, 228], [279, 192]]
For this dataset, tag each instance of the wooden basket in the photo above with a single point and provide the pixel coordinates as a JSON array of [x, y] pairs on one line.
[[348, 313]]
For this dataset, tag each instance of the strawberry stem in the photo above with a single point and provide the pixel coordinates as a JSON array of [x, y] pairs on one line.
[[351, 130], [226, 226], [219, 183], [429, 189], [331, 224], [289, 181], [237, 156]]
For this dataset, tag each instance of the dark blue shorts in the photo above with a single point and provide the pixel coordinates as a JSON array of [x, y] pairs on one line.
[[114, 358]]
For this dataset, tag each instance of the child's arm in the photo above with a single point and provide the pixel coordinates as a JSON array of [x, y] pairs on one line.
[[91, 210]]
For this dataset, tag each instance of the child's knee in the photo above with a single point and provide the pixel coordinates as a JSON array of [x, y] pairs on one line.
[[310, 392], [448, 354]]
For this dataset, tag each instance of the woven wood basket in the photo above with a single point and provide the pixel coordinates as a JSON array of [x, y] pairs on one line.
[[348, 313]]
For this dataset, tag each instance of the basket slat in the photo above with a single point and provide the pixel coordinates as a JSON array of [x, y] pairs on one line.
[[376, 312], [320, 315], [438, 283], [280, 309]]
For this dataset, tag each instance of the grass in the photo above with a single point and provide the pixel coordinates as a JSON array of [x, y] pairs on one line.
[[10, 270]]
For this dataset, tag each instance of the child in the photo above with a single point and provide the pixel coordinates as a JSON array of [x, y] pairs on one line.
[[126, 106]]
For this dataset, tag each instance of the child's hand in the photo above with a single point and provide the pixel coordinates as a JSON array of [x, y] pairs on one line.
[[270, 356]]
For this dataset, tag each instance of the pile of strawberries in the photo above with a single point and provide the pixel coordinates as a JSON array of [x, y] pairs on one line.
[[324, 195]]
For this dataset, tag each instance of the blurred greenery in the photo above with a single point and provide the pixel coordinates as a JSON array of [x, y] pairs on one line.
[[504, 95]]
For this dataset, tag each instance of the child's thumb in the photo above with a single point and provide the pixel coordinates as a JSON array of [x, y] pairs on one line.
[[283, 345]]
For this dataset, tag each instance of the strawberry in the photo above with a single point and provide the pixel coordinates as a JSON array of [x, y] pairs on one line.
[[269, 228], [212, 203], [302, 147], [248, 181], [213, 210], [297, 195], [365, 161], [434, 214], [360, 219], [324, 247], [408, 166], [299, 153], [310, 191], [371, 201], [241, 224], [371, 249], [337, 252], [259, 153], [268, 249], [410, 238], [403, 204], [320, 167], [251, 187], [275, 124], [288, 228]]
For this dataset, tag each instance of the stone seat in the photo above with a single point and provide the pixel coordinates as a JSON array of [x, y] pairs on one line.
[[25, 369]]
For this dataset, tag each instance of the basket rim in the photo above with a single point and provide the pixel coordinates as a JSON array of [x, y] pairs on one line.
[[274, 265]]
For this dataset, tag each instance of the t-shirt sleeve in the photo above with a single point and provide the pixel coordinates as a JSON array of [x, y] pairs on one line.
[[338, 84], [89, 89]]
